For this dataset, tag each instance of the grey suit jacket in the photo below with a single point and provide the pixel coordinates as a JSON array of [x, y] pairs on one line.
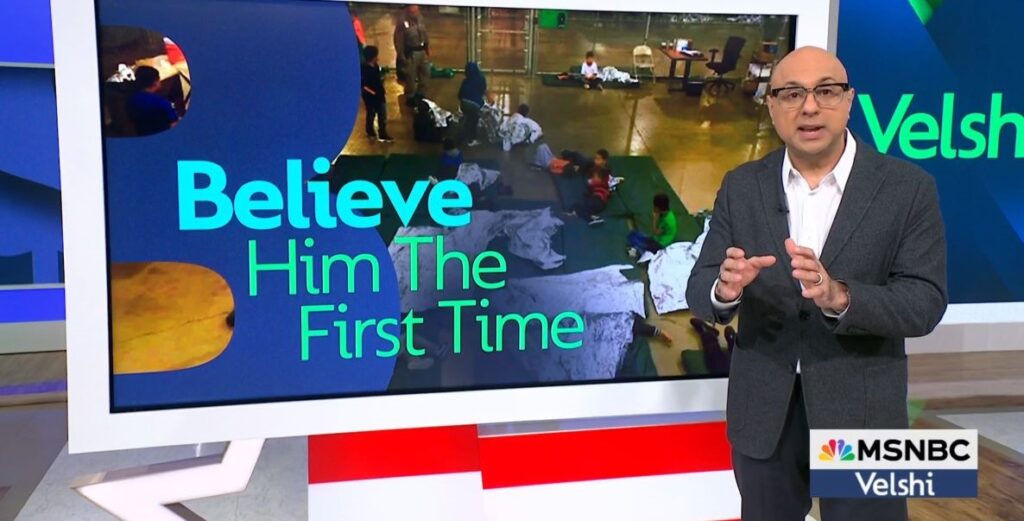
[[887, 243]]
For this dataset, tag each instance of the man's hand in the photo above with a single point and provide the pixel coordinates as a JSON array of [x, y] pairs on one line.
[[737, 272], [828, 294]]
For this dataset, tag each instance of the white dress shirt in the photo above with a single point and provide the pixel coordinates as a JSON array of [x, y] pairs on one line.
[[811, 212]]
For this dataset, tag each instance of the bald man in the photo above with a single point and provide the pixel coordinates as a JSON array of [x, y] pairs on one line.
[[831, 255]]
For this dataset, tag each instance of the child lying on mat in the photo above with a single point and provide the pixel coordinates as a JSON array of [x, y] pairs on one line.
[[664, 230], [595, 199], [645, 330], [483, 183], [575, 163]]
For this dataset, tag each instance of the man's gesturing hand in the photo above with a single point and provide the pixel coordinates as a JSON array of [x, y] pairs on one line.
[[827, 293], [737, 272]]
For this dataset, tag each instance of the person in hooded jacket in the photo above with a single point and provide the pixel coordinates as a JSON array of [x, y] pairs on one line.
[[471, 99]]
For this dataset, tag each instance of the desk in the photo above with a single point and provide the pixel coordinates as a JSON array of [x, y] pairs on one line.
[[676, 56]]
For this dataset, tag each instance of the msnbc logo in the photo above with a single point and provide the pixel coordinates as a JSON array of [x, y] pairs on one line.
[[894, 463], [837, 450]]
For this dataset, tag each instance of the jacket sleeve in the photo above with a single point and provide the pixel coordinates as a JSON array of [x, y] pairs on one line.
[[914, 298], [535, 131], [706, 269]]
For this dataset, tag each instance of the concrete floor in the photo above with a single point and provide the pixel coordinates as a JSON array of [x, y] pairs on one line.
[[645, 121], [693, 155]]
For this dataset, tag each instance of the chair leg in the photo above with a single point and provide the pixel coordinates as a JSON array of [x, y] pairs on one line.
[[720, 85]]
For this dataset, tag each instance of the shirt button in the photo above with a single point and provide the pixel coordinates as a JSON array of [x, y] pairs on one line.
[[804, 315]]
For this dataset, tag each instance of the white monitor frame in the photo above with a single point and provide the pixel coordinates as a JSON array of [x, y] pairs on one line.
[[94, 428]]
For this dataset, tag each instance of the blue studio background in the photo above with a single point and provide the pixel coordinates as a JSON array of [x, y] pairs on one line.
[[967, 48], [30, 240]]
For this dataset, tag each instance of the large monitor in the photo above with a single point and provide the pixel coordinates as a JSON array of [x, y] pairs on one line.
[[247, 258]]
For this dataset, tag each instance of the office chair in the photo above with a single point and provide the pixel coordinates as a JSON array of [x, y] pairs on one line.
[[730, 56], [643, 58]]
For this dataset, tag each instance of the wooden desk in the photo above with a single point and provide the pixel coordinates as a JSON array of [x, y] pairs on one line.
[[676, 56]]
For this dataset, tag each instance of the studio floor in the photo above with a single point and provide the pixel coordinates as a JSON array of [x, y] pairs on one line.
[[983, 391]]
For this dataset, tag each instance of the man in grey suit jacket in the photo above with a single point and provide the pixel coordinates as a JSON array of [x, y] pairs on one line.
[[831, 254]]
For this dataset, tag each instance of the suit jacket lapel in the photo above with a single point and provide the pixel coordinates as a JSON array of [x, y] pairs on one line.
[[775, 208], [865, 180]]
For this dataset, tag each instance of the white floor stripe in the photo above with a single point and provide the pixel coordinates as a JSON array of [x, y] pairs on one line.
[[704, 496], [441, 497]]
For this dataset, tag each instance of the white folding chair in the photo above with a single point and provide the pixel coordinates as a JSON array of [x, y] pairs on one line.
[[643, 58]]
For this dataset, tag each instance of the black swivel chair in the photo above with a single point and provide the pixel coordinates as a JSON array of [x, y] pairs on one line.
[[730, 56]]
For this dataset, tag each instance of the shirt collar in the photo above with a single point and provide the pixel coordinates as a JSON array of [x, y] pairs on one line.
[[842, 170]]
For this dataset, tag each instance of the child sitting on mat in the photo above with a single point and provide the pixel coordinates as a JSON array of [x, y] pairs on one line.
[[520, 128], [664, 230], [590, 72], [595, 199]]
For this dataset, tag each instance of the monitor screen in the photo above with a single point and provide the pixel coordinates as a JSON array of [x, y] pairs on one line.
[[312, 203]]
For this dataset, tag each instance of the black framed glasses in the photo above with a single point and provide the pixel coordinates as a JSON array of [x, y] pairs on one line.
[[827, 95]]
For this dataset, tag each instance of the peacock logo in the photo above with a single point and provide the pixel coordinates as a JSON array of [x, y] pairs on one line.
[[837, 450]]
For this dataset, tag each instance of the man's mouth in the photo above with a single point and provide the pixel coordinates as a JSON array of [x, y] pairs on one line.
[[810, 130]]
